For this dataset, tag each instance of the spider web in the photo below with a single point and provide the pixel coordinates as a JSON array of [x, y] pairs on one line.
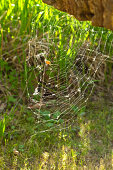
[[63, 70]]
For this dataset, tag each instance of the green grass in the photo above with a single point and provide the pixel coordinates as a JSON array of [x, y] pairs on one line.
[[88, 142]]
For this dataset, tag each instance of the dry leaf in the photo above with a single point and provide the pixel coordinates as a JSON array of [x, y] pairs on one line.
[[2, 106], [36, 106]]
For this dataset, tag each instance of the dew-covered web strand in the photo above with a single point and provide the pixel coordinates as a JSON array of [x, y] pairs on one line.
[[76, 101], [68, 110], [63, 82], [52, 79], [56, 76], [86, 88], [59, 101], [62, 113], [69, 120], [64, 74]]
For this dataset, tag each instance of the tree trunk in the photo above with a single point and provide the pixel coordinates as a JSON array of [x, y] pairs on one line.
[[100, 12]]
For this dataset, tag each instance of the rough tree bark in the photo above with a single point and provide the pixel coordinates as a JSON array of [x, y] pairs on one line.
[[100, 12]]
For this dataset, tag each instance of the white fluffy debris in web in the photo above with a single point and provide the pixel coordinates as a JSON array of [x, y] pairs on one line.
[[36, 92]]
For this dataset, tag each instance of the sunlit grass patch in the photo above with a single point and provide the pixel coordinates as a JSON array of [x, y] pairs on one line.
[[88, 147]]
